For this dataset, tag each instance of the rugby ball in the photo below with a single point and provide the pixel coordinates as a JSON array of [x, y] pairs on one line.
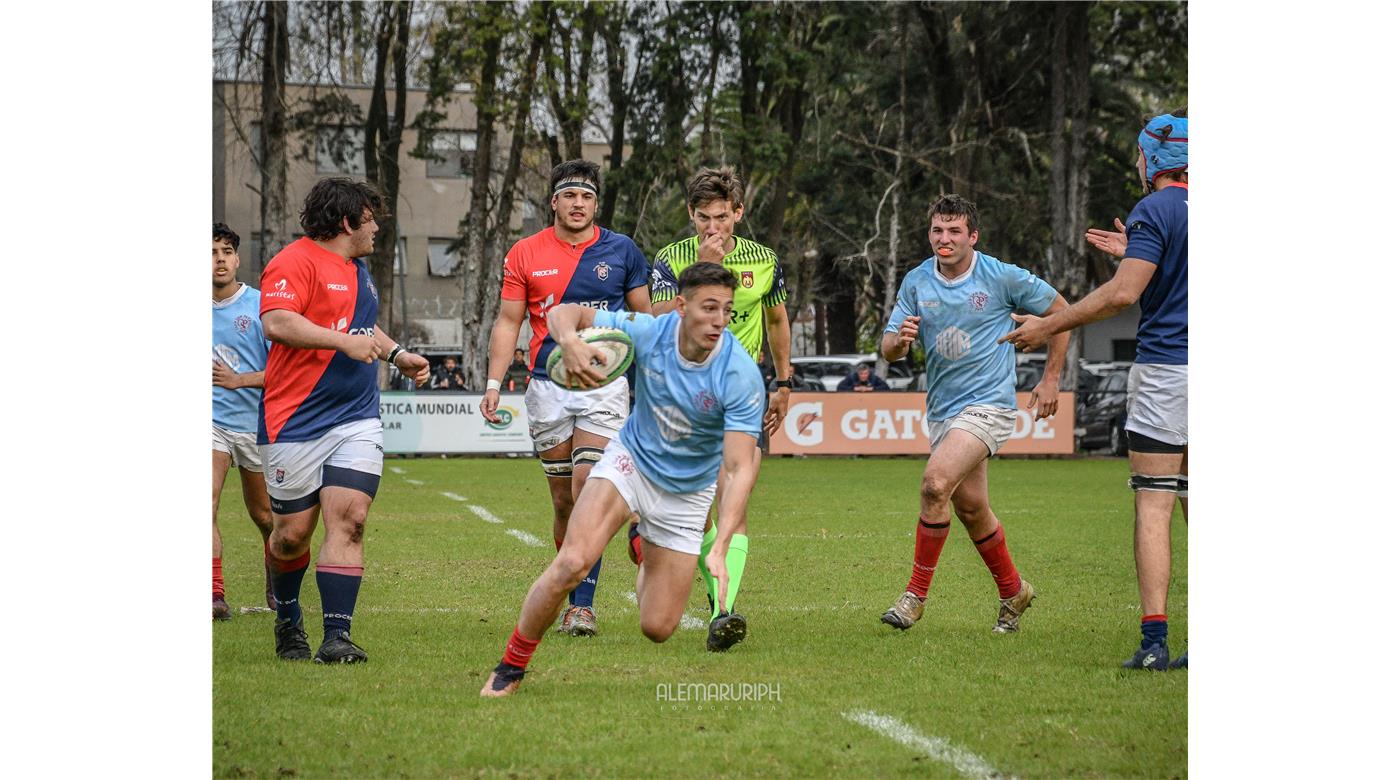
[[616, 343]]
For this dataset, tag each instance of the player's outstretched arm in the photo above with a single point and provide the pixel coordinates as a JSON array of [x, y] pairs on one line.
[[565, 321], [741, 472], [293, 330], [1108, 299], [504, 334]]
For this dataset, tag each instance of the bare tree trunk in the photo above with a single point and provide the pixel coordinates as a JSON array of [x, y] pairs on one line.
[[901, 151], [716, 45], [272, 206], [620, 96], [1069, 103], [383, 140], [506, 207], [480, 270]]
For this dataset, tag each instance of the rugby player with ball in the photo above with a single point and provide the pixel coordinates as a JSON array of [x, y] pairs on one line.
[[699, 410]]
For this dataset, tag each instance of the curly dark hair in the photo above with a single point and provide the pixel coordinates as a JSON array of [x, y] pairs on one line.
[[954, 205], [710, 184], [333, 201], [705, 275], [575, 169], [223, 232]]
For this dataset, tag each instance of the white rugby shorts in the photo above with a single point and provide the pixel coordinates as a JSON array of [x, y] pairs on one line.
[[675, 521], [295, 471], [554, 412], [241, 447], [1157, 402], [993, 425]]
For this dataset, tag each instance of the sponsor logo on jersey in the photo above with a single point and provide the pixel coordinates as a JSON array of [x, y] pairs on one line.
[[602, 270], [372, 289], [279, 290], [242, 323], [545, 272], [359, 331], [337, 287], [978, 300], [602, 305], [952, 343], [746, 278]]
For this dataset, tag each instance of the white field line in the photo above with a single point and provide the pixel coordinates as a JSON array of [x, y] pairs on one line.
[[530, 539], [415, 482], [485, 514], [453, 496], [966, 762], [397, 470]]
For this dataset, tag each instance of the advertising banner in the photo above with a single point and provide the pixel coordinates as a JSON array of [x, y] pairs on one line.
[[452, 423], [895, 424]]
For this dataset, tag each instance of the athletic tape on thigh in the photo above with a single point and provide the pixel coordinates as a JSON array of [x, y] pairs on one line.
[[1141, 482], [1138, 442], [338, 476], [558, 469], [1181, 485], [587, 456]]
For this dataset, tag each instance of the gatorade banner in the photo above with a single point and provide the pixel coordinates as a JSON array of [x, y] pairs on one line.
[[443, 422], [895, 424]]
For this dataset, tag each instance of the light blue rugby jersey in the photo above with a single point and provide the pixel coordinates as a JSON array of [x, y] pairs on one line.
[[239, 343], [961, 320], [676, 430]]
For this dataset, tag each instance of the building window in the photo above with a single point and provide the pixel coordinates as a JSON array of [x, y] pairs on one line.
[[440, 261], [340, 150], [453, 154]]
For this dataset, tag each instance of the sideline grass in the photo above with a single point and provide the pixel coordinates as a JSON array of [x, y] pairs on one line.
[[831, 547]]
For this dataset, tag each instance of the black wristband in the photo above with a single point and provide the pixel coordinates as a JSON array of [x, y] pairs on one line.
[[783, 383], [393, 353]]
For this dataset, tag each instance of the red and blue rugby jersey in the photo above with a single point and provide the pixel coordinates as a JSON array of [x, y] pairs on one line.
[[306, 392], [543, 271]]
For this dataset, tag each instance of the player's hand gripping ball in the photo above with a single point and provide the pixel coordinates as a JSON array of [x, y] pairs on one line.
[[616, 343]]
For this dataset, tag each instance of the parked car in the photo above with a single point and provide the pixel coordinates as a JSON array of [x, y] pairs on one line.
[[831, 369], [1102, 410]]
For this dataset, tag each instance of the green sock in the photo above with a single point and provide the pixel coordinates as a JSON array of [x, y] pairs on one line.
[[734, 562], [711, 584]]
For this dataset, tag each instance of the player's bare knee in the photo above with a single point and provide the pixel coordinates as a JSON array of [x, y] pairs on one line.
[[285, 545], [571, 568], [657, 629], [936, 490]]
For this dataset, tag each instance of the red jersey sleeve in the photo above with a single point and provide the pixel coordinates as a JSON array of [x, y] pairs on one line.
[[288, 280], [514, 278]]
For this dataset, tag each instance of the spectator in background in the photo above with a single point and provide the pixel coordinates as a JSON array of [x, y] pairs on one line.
[[862, 380], [518, 375], [448, 376]]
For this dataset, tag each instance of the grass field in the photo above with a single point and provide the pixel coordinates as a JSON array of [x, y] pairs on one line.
[[831, 542]]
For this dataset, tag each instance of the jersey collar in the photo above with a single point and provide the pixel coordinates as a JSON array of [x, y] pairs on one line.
[[964, 276], [229, 301]]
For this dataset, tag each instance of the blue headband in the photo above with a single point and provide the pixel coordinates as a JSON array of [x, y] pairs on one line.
[[1163, 144]]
